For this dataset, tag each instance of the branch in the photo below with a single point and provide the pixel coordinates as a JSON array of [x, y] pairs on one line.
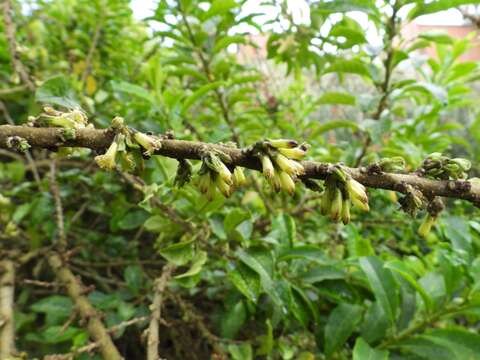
[[12, 46], [76, 291], [92, 346], [95, 139], [7, 324], [156, 307]]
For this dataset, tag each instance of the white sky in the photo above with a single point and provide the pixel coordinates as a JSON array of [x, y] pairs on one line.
[[300, 14]]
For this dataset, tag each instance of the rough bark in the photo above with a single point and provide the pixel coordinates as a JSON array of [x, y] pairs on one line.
[[51, 138], [7, 324], [156, 308], [76, 291]]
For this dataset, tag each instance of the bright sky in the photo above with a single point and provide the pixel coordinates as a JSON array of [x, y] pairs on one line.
[[300, 13]]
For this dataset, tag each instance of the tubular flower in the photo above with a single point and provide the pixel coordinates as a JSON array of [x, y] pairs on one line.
[[296, 153], [223, 186], [239, 178], [336, 207], [283, 143], [107, 160], [286, 182], [357, 193], [426, 225], [346, 211], [149, 143], [291, 167], [267, 167], [215, 164]]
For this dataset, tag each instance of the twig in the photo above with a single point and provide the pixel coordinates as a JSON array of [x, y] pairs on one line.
[[76, 292], [91, 51], [28, 156], [156, 308], [92, 346], [62, 242], [7, 302], [12, 46]]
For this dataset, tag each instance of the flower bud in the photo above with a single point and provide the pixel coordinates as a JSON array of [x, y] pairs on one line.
[[296, 153], [149, 143], [464, 164], [223, 186], [285, 164], [346, 211], [267, 167], [239, 178], [357, 193], [426, 225], [283, 143], [287, 183], [326, 202], [214, 163], [107, 160], [276, 182], [336, 208]]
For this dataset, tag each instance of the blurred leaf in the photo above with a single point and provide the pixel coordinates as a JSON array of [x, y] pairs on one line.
[[179, 254], [363, 351], [57, 91], [382, 284], [340, 325]]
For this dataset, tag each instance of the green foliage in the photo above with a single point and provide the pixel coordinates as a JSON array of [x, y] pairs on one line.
[[263, 273]]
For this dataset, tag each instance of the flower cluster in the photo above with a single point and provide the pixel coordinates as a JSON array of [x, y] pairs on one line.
[[72, 119], [129, 146], [215, 175], [341, 191], [279, 163], [438, 166]]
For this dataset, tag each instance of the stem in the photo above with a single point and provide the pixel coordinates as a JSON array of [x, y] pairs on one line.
[[210, 77], [76, 291], [156, 307], [7, 297]]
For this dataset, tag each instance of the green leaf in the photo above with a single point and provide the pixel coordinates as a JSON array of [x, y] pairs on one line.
[[400, 268], [246, 281], [220, 7], [348, 66], [363, 351], [233, 320], [266, 280], [336, 98], [133, 277], [266, 341], [332, 125], [57, 91], [321, 273], [423, 8], [200, 92], [226, 41], [436, 36], [375, 324], [382, 284], [132, 89], [55, 304], [234, 218], [427, 349], [179, 254], [434, 285], [465, 344], [240, 351], [197, 263], [305, 252], [340, 325]]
